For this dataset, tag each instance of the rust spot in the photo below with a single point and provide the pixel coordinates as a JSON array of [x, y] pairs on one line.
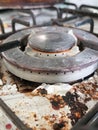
[[58, 126]]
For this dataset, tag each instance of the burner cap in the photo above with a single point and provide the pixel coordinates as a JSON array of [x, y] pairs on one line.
[[51, 41]]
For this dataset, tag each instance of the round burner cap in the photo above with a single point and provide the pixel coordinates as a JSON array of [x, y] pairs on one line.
[[51, 41]]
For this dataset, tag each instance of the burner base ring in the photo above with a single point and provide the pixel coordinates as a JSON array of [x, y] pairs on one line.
[[49, 77]]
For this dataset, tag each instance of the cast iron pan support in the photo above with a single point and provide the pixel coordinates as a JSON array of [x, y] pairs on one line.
[[2, 26], [89, 121], [15, 21], [13, 44], [18, 123]]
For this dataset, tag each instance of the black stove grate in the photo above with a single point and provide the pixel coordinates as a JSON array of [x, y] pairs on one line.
[[76, 18], [89, 121], [75, 21], [83, 10], [29, 11], [17, 122]]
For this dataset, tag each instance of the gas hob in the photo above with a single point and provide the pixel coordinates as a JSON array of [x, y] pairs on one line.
[[38, 54]]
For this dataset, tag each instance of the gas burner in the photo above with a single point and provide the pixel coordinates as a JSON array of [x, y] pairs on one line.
[[52, 54]]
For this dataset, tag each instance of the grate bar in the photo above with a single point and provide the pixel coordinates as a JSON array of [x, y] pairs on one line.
[[19, 124], [79, 12], [89, 121]]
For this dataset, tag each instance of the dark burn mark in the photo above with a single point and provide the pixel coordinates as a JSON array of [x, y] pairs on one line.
[[35, 115], [55, 105], [58, 126], [1, 75], [26, 90], [57, 102], [42, 91], [69, 98], [87, 99], [78, 109]]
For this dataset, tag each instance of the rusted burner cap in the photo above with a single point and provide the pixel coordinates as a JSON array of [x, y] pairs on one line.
[[51, 41]]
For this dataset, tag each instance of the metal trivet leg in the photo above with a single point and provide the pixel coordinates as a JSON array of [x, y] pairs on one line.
[[89, 121], [18, 123]]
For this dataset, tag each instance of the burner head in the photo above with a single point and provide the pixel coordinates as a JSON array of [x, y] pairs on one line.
[[51, 41]]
